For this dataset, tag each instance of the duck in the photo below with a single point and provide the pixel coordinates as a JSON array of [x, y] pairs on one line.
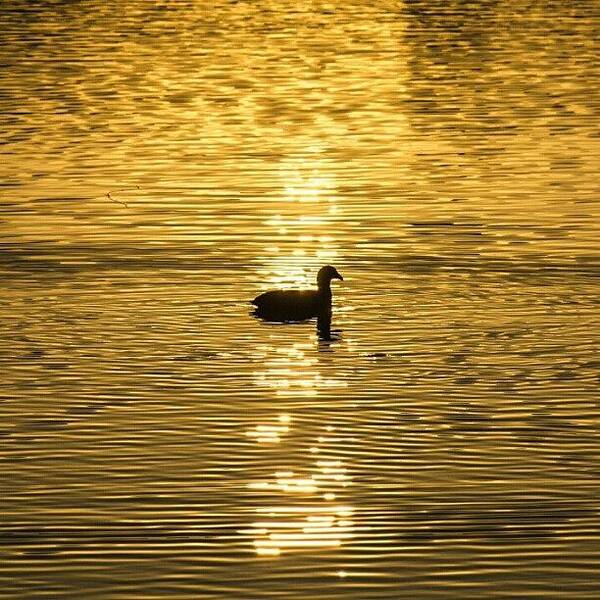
[[298, 305]]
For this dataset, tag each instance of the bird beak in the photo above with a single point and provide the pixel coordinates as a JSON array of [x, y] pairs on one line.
[[338, 276]]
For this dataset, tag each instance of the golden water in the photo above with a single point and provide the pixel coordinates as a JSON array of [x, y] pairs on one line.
[[162, 163]]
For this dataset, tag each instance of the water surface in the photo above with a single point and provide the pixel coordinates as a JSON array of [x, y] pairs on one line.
[[162, 163]]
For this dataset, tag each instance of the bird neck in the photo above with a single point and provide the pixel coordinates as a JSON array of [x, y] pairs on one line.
[[325, 288]]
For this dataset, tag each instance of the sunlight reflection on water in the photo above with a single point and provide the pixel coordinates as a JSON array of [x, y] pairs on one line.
[[321, 524], [302, 225]]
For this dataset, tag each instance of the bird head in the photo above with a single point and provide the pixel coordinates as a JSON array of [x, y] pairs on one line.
[[326, 274]]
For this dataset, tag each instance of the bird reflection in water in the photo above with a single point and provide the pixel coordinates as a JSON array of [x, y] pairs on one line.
[[292, 306], [324, 332]]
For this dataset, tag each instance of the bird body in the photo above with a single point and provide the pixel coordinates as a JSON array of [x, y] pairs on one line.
[[298, 305], [289, 305]]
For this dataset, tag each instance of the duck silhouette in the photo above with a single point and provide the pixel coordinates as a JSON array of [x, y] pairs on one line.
[[299, 305]]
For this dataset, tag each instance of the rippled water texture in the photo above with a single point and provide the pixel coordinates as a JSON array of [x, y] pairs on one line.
[[164, 162]]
